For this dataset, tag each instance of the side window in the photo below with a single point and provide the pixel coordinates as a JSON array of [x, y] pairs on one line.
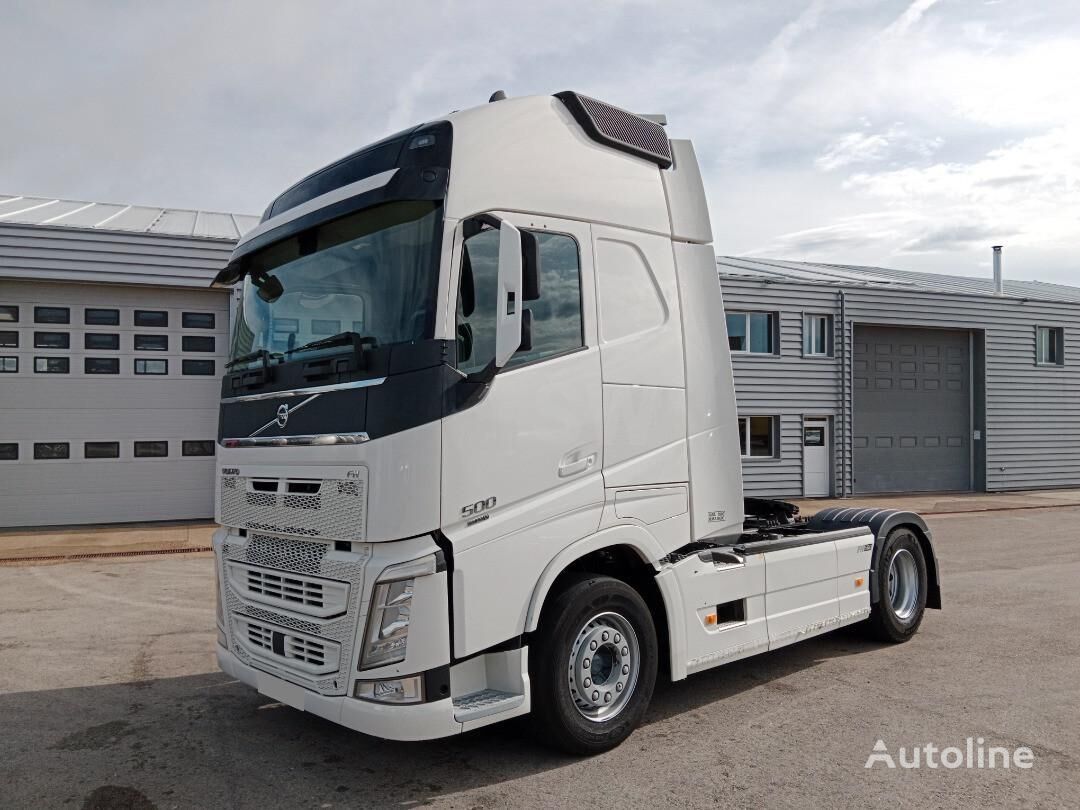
[[477, 296], [556, 314]]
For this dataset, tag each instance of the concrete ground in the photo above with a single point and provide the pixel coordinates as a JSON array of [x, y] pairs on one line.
[[109, 698], [947, 503]]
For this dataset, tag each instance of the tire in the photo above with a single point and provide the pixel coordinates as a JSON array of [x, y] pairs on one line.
[[576, 645], [902, 586]]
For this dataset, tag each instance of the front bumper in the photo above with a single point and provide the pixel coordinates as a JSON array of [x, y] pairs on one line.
[[421, 721]]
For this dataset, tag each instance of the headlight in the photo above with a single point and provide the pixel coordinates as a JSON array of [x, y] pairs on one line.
[[391, 610], [388, 624]]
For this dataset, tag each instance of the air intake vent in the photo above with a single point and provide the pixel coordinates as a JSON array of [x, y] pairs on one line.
[[619, 129]]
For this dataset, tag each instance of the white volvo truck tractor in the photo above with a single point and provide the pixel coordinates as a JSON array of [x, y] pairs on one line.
[[478, 446]]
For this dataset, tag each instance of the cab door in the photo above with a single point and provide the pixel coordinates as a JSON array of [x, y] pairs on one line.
[[521, 467]]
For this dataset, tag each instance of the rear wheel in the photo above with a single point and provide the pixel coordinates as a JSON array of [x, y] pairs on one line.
[[593, 667], [901, 588]]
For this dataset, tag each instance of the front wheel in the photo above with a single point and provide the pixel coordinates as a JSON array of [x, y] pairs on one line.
[[901, 588], [593, 667]]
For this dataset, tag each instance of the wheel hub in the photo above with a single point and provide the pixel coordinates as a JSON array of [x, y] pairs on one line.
[[903, 584], [603, 666]]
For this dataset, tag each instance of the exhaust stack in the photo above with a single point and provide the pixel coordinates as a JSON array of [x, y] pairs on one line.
[[999, 284]]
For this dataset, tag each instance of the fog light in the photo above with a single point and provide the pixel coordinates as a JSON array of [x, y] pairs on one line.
[[398, 690], [221, 640]]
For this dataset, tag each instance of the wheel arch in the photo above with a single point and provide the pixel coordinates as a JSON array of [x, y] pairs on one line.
[[882, 522], [629, 553]]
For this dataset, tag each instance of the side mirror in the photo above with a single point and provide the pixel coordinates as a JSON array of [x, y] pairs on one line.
[[530, 266], [508, 305]]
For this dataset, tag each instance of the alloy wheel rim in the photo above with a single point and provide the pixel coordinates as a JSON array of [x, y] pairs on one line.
[[603, 666], [903, 584]]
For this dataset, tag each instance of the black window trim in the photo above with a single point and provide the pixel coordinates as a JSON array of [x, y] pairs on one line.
[[135, 342], [185, 361], [18, 339], [46, 371], [135, 448], [88, 310], [14, 357], [66, 322], [137, 360], [774, 315], [185, 442], [213, 344], [62, 458], [213, 320], [88, 335], [114, 363], [66, 343], [135, 319], [18, 312], [18, 453], [115, 444]]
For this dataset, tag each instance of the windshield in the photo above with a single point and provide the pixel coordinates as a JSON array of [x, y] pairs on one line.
[[373, 273]]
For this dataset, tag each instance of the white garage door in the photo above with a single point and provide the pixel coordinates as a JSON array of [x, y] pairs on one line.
[[108, 396]]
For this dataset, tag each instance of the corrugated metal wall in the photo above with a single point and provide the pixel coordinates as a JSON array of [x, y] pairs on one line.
[[1032, 419], [69, 254]]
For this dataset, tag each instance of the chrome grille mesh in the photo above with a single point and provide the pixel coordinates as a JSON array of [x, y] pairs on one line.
[[335, 511], [309, 557]]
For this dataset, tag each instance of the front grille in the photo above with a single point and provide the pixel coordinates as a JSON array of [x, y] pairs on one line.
[[284, 606], [331, 508], [285, 588], [311, 655], [295, 592]]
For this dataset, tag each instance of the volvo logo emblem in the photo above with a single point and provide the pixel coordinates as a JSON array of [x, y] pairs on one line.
[[283, 414]]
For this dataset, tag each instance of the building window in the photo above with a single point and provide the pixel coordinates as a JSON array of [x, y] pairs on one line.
[[757, 436], [325, 327], [199, 367], [101, 340], [52, 315], [101, 450], [101, 317], [9, 365], [151, 449], [197, 448], [52, 340], [818, 336], [51, 450], [1050, 346], [752, 332], [9, 339], [151, 366], [151, 343], [9, 313], [151, 317], [197, 320], [52, 365], [9, 451], [197, 343], [101, 365]]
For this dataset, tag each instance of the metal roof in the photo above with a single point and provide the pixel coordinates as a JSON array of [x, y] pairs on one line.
[[847, 275], [116, 217]]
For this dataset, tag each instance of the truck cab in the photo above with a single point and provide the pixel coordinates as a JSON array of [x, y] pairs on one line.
[[478, 452]]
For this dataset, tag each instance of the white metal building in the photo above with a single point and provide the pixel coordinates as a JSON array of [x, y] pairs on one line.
[[111, 352]]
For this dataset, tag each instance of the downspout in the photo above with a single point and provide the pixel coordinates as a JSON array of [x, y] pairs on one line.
[[843, 396]]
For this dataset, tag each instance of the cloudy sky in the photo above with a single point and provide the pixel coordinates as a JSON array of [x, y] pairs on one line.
[[904, 133]]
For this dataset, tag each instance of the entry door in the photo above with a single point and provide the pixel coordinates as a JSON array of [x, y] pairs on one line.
[[817, 457], [521, 474]]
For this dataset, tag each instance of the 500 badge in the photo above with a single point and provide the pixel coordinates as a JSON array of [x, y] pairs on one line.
[[475, 510]]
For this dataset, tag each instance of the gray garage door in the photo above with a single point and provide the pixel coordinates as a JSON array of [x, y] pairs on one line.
[[911, 410]]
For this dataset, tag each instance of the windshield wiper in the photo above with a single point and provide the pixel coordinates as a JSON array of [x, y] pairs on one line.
[[357, 340], [261, 354]]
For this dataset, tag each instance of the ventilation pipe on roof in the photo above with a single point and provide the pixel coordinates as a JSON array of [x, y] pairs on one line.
[[999, 285]]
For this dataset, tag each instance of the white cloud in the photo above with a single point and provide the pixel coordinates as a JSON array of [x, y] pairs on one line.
[[859, 147]]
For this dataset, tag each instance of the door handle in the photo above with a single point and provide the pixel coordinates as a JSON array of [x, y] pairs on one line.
[[572, 465]]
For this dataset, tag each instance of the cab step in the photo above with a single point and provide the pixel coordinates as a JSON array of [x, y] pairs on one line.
[[483, 703]]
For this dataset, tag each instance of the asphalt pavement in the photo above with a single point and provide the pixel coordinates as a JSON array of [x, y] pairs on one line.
[[110, 698]]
